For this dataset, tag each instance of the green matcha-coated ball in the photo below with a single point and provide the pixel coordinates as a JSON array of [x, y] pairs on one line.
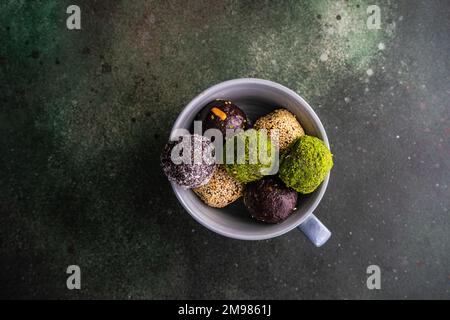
[[245, 158], [306, 164]]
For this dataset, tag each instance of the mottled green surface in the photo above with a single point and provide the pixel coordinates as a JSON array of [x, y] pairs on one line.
[[306, 164], [84, 115], [249, 155]]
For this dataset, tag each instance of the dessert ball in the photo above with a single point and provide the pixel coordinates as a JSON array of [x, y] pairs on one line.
[[306, 164], [269, 200], [289, 129], [222, 115], [189, 160], [221, 190], [249, 157]]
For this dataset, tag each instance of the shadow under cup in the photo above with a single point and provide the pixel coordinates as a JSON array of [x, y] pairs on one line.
[[256, 98]]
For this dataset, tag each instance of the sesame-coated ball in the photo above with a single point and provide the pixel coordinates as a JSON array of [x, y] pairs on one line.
[[221, 190], [289, 129]]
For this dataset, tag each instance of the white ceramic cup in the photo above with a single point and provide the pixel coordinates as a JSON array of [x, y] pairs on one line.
[[256, 98]]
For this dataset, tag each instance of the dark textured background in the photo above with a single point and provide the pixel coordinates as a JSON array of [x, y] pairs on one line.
[[84, 115]]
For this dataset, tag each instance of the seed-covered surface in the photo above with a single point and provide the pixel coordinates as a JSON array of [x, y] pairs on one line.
[[221, 190], [289, 129]]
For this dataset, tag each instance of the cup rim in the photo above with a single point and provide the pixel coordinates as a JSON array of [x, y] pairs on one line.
[[322, 188]]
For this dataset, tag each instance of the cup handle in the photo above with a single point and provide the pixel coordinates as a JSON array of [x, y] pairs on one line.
[[315, 230]]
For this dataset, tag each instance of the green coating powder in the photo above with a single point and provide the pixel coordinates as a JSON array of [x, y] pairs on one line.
[[306, 164], [252, 164]]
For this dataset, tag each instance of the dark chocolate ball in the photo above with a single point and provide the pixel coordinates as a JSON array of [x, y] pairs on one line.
[[269, 200], [222, 115], [189, 161]]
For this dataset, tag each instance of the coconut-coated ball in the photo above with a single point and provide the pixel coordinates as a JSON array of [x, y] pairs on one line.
[[189, 161]]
